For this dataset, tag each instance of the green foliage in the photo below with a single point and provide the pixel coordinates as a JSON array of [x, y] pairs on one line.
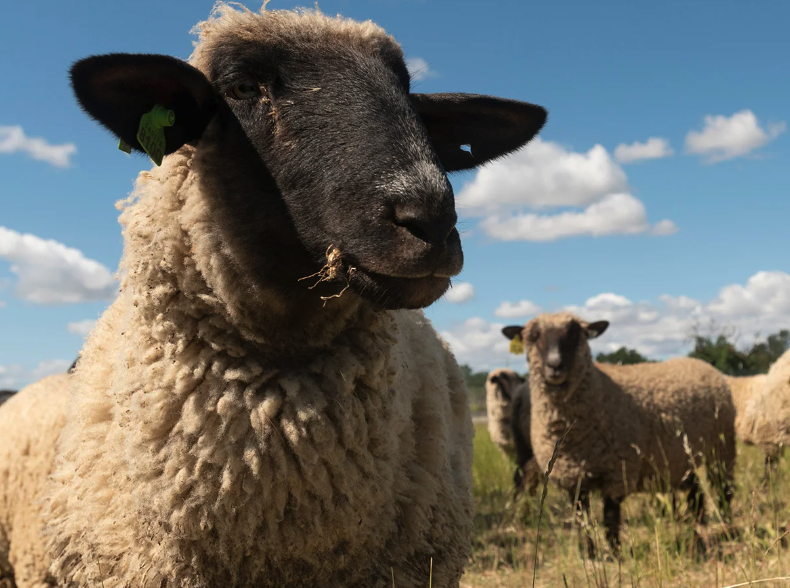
[[722, 353], [622, 356]]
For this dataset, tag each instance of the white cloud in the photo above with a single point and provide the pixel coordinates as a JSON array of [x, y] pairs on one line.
[[81, 328], [658, 329], [508, 194], [614, 214], [725, 138], [48, 272], [480, 344], [419, 69], [522, 308], [460, 293], [14, 140], [543, 174], [654, 148], [14, 377]]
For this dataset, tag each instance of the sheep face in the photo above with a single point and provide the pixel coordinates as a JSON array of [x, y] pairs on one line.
[[555, 344], [504, 383], [307, 132]]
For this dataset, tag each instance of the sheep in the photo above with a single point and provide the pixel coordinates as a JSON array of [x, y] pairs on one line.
[[507, 406], [502, 385], [6, 394], [264, 403], [623, 426], [763, 409], [30, 422]]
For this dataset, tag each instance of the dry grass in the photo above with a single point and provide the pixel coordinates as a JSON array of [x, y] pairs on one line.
[[659, 550]]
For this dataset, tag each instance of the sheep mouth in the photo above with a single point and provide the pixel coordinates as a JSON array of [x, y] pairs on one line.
[[386, 291], [556, 379], [391, 293]]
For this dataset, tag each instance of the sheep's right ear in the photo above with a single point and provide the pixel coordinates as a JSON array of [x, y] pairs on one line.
[[487, 126], [596, 329], [118, 88], [512, 331]]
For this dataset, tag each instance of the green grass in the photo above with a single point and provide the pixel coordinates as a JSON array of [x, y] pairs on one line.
[[659, 549]]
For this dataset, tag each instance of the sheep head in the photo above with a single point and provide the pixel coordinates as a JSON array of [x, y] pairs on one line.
[[306, 130], [555, 343]]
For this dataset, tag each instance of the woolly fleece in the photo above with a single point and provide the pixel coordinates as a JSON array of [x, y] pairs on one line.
[[629, 419], [30, 422], [767, 413], [189, 456], [207, 445], [744, 390]]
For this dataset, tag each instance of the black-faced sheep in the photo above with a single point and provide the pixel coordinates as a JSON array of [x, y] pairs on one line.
[[507, 408], [231, 423], [627, 426]]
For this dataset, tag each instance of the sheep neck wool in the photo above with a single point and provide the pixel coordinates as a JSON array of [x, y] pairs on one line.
[[245, 470]]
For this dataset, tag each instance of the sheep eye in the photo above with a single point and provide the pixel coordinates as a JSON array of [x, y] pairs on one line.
[[244, 91]]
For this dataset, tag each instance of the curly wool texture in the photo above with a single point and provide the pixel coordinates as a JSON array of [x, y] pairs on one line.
[[744, 389], [188, 457], [30, 422], [766, 421], [630, 421], [208, 443], [502, 386]]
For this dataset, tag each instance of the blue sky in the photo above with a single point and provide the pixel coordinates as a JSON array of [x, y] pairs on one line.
[[687, 228]]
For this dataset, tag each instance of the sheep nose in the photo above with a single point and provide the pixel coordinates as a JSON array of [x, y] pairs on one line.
[[434, 229], [554, 359]]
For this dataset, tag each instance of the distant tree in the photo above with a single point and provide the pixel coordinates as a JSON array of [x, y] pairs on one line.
[[477, 379], [622, 356], [763, 354], [722, 353], [466, 370]]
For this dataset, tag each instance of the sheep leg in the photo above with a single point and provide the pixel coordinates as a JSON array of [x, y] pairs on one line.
[[611, 520], [580, 510], [695, 500], [721, 476]]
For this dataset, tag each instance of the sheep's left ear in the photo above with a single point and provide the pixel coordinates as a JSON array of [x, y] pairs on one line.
[[469, 129], [596, 329], [512, 331], [118, 88]]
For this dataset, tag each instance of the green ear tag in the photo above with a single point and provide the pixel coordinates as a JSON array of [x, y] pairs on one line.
[[516, 346], [124, 146], [150, 133]]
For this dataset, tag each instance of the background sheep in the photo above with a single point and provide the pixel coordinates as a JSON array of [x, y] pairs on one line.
[[230, 423], [763, 404], [507, 407], [625, 425], [6, 394], [502, 385]]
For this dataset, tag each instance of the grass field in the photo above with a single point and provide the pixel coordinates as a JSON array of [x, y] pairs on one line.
[[659, 550]]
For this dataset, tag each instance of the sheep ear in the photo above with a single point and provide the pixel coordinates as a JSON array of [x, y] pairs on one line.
[[512, 331], [596, 329], [118, 88], [469, 129]]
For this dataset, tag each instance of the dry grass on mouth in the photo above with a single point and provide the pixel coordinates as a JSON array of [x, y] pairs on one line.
[[332, 270]]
